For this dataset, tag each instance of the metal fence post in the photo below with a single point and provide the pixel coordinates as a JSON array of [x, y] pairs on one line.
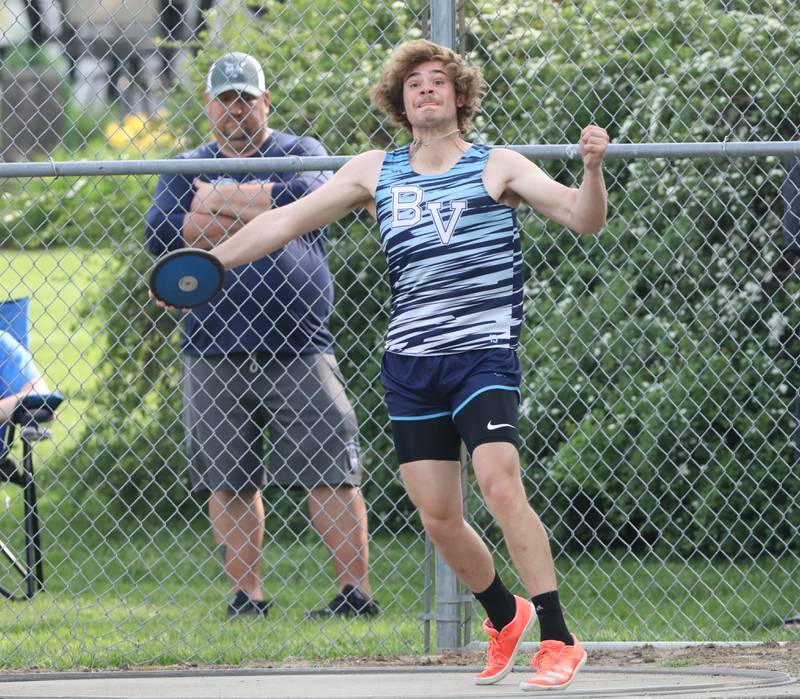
[[452, 606], [448, 607], [443, 22], [448, 596]]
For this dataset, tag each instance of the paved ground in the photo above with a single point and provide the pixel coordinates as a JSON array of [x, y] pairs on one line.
[[391, 683], [738, 671]]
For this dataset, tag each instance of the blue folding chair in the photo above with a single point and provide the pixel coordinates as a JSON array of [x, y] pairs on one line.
[[27, 419]]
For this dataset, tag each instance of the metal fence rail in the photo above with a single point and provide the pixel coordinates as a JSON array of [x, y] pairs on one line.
[[621, 151], [659, 359]]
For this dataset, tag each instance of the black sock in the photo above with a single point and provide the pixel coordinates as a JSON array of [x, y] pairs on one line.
[[499, 603], [551, 620]]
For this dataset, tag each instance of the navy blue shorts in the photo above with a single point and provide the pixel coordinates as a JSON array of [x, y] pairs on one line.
[[436, 401]]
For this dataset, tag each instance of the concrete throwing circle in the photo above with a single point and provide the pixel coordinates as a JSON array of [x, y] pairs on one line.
[[390, 683]]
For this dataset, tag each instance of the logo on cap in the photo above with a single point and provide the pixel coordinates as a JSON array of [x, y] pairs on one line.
[[232, 70]]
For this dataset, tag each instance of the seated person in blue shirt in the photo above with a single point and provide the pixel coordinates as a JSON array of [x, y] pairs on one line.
[[258, 358], [18, 378]]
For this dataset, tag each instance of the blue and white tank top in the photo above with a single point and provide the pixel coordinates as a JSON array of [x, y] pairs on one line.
[[454, 258]]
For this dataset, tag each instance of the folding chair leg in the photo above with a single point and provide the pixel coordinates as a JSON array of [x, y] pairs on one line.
[[34, 578], [9, 554]]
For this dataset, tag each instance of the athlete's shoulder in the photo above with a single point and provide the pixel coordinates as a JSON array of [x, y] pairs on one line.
[[394, 165], [371, 156], [501, 154], [364, 168], [508, 163], [370, 160]]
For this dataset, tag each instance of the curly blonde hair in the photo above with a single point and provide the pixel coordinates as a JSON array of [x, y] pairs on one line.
[[387, 95]]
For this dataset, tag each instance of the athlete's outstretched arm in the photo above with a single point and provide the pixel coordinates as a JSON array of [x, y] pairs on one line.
[[351, 187], [581, 209]]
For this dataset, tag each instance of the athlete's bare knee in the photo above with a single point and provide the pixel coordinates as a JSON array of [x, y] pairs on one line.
[[504, 496], [441, 526]]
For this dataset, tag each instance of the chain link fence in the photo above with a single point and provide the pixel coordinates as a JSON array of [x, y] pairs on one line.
[[658, 358]]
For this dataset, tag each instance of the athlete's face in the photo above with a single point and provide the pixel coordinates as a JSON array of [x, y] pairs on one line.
[[239, 121], [429, 96]]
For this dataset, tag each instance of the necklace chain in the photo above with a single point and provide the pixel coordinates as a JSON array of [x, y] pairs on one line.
[[418, 143]]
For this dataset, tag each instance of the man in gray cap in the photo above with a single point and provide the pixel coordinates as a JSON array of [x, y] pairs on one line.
[[258, 358]]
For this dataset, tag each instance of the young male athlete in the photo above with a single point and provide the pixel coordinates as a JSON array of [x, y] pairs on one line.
[[445, 208]]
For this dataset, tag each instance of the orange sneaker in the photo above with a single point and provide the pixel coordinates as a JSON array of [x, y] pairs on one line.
[[504, 644], [555, 665]]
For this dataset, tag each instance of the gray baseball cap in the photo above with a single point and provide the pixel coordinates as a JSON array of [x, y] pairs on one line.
[[236, 71]]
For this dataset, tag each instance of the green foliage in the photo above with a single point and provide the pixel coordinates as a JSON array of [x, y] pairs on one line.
[[25, 55], [657, 404], [659, 355], [77, 211], [657, 437]]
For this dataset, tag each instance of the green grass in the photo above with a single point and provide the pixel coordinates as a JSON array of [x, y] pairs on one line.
[[63, 345], [159, 598], [630, 598]]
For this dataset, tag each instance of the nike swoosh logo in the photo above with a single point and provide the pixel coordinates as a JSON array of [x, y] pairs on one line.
[[490, 426]]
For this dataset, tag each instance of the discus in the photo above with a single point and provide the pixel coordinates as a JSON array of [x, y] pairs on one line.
[[186, 278]]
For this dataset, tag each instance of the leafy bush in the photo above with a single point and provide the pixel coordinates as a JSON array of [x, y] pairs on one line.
[[86, 211], [77, 211]]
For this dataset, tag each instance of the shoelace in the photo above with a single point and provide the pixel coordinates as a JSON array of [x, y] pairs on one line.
[[494, 651], [495, 654], [546, 659]]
